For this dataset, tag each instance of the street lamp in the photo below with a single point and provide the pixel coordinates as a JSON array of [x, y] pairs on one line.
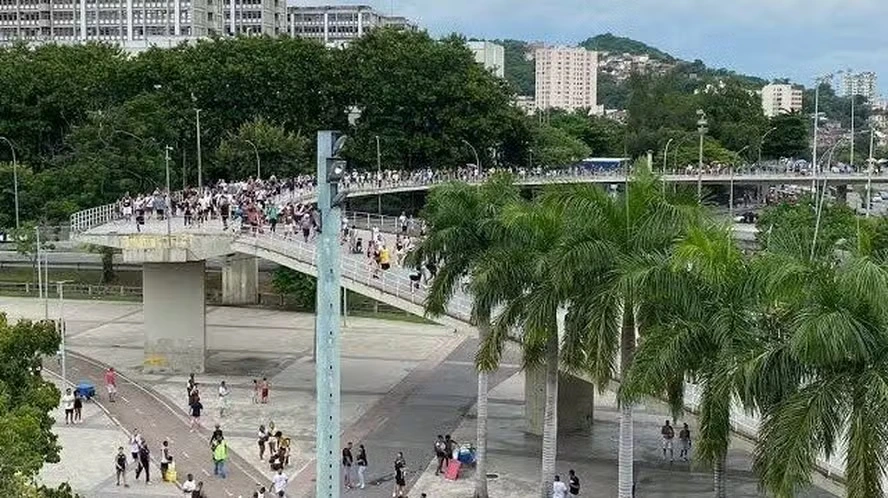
[[379, 178], [477, 159], [702, 129], [258, 164], [15, 182], [817, 82], [666, 157], [169, 206], [762, 143], [63, 330], [199, 163]]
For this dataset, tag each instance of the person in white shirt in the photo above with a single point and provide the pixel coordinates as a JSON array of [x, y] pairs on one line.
[[68, 405], [279, 481], [223, 398], [559, 489], [189, 485]]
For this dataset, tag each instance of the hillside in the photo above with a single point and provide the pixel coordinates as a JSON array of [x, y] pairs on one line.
[[609, 42]]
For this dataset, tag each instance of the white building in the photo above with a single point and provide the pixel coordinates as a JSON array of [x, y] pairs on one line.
[[781, 99], [339, 24], [566, 78], [863, 84], [136, 24], [490, 55], [525, 103]]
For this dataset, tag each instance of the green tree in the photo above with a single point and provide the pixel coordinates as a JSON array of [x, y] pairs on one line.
[[462, 234], [280, 153], [789, 137], [781, 226], [301, 287], [608, 260], [554, 147], [519, 68], [26, 401], [701, 331], [608, 42]]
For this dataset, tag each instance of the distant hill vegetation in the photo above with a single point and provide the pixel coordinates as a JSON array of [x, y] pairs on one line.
[[609, 42]]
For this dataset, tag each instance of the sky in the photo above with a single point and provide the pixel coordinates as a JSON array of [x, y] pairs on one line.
[[796, 39]]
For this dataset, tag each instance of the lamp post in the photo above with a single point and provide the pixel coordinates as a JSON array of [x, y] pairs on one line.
[[666, 156], [477, 159], [327, 336], [871, 164], [199, 164], [15, 183], [258, 164], [379, 178], [169, 205], [762, 143], [702, 129], [63, 330]]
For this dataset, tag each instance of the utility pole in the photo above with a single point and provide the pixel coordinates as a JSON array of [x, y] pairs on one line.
[[327, 329], [702, 129], [15, 182], [379, 178], [169, 205], [199, 164]]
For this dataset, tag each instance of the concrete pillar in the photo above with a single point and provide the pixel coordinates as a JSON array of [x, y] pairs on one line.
[[240, 280], [575, 402], [173, 302]]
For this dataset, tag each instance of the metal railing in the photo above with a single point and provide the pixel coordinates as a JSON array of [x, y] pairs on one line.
[[359, 269]]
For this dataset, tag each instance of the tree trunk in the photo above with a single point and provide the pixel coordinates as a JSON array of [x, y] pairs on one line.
[[107, 265], [625, 458], [550, 419], [718, 477], [481, 453]]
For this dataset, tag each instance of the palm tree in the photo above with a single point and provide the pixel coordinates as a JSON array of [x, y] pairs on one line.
[[834, 333], [532, 303], [607, 261], [461, 221], [700, 331]]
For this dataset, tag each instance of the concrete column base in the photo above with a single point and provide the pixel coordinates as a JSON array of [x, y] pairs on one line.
[[842, 194], [240, 280], [575, 403], [173, 303]]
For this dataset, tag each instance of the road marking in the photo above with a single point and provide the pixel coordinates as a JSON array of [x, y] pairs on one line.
[[229, 493], [186, 455], [124, 399], [139, 411], [205, 472]]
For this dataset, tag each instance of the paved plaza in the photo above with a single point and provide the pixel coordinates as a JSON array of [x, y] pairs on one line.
[[403, 383]]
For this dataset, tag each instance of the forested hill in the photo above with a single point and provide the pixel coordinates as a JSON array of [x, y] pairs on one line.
[[609, 42]]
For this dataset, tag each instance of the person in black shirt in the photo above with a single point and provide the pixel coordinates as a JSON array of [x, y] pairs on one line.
[[449, 445], [400, 475], [144, 462], [347, 460], [573, 483], [120, 466], [362, 465]]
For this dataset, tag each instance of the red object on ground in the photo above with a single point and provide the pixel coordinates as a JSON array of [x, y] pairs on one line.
[[452, 471]]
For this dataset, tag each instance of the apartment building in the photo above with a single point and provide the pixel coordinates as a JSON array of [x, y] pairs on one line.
[[339, 24], [128, 22], [863, 84], [255, 17], [490, 55], [136, 24], [566, 78], [781, 99]]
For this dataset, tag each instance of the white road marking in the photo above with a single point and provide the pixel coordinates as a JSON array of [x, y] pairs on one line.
[[205, 472], [229, 493], [186, 455], [124, 399]]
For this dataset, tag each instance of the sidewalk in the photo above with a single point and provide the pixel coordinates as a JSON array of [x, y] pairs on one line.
[[514, 456]]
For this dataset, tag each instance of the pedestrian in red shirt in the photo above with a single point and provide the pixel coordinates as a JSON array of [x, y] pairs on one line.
[[111, 384]]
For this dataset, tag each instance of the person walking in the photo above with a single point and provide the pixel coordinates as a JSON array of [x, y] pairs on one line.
[[196, 408], [362, 465], [440, 448], [135, 443], [668, 434], [559, 489], [165, 459], [224, 392], [264, 387], [189, 485], [220, 455], [400, 475], [111, 384], [263, 439], [684, 442], [120, 466], [347, 461], [449, 446], [279, 482], [144, 462], [573, 483], [78, 407], [68, 405], [255, 398]]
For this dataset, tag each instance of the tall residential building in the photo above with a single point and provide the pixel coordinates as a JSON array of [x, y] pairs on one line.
[[254, 17], [566, 78], [490, 55], [781, 99], [339, 24], [860, 84]]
